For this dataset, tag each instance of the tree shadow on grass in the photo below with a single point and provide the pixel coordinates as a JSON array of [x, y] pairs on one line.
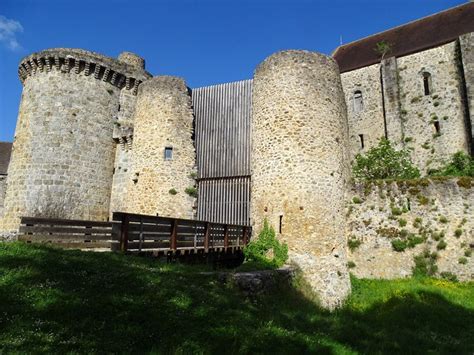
[[70, 301]]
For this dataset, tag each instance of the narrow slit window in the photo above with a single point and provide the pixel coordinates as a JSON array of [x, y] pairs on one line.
[[361, 140], [358, 101], [427, 83], [436, 127], [169, 153], [280, 224]]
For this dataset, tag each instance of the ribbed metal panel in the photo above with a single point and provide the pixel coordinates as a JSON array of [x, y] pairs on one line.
[[224, 200], [222, 133], [222, 115]]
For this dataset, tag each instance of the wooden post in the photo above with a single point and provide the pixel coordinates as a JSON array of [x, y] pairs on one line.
[[245, 236], [174, 232], [206, 237], [141, 235], [124, 233], [226, 236]]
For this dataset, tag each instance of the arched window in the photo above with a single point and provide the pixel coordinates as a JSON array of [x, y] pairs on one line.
[[427, 83], [358, 101]]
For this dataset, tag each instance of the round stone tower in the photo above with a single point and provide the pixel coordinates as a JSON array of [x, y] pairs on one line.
[[300, 166], [163, 163], [63, 152]]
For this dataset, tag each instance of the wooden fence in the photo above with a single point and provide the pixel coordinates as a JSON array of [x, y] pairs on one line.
[[67, 233], [141, 232], [137, 233]]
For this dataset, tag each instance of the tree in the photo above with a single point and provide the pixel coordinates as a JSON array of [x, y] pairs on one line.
[[382, 48], [384, 162]]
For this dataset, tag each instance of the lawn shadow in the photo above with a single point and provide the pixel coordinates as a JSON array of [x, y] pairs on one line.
[[70, 301]]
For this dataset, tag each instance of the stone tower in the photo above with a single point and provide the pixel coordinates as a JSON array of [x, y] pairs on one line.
[[63, 153], [299, 164], [163, 163]]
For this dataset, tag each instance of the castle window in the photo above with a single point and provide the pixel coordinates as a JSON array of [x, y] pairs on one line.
[[169, 153], [358, 101], [280, 224], [427, 83], [361, 139], [436, 128]]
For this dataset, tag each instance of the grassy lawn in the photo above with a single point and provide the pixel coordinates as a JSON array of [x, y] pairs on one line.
[[69, 301]]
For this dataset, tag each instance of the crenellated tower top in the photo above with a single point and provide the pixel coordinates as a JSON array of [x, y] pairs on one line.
[[126, 71]]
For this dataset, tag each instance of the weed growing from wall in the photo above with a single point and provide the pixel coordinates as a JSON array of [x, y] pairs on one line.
[[266, 249]]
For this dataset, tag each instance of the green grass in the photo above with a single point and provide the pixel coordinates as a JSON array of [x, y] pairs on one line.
[[58, 301]]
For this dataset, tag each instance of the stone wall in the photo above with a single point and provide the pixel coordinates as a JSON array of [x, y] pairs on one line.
[[3, 190], [368, 120], [163, 119], [443, 106], [434, 215], [299, 168], [63, 153], [467, 54], [395, 105]]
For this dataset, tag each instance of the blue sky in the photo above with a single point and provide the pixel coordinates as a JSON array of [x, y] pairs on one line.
[[206, 42]]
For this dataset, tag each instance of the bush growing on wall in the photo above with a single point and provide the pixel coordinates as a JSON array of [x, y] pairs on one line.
[[384, 162], [460, 164], [266, 249]]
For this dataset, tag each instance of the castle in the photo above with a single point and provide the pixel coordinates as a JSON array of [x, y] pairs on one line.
[[97, 135]]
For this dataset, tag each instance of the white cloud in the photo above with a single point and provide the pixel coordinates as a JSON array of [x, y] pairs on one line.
[[8, 30]]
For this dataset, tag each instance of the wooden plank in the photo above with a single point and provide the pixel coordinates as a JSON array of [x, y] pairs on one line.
[[63, 222], [63, 230], [78, 245], [174, 235], [61, 237], [149, 228], [124, 233], [206, 237]]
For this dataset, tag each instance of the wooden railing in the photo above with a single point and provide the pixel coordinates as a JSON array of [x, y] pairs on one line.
[[67, 233], [136, 233], [141, 232]]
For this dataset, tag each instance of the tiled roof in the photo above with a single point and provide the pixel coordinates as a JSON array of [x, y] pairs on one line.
[[428, 32]]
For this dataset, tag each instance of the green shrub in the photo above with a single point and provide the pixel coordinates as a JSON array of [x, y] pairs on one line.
[[461, 164], [384, 162], [396, 211], [192, 191], [399, 245], [351, 264], [458, 232], [449, 276], [258, 249], [423, 200], [462, 260], [173, 192], [443, 219], [425, 264], [357, 200], [441, 245], [353, 243], [414, 240], [402, 222], [468, 252]]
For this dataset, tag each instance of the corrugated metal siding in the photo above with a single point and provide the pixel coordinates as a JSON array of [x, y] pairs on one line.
[[222, 133], [223, 129], [224, 200]]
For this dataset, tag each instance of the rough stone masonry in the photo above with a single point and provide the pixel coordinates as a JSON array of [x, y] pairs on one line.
[[97, 135]]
